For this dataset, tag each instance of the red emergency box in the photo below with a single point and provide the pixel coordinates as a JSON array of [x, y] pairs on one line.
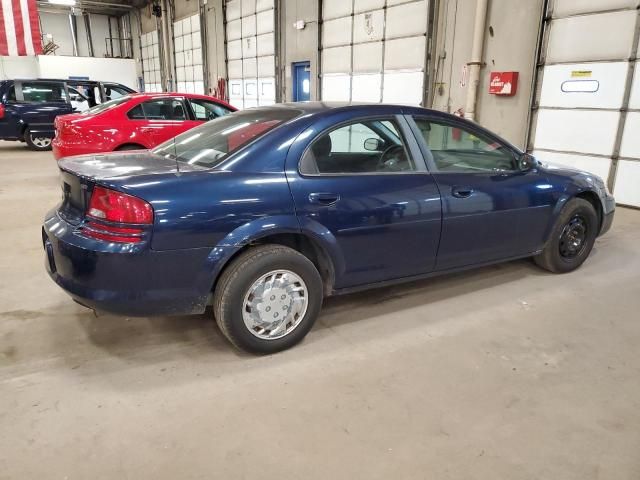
[[503, 83]]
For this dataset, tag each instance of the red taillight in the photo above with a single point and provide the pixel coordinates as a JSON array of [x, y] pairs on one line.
[[110, 233], [1, 110], [114, 206]]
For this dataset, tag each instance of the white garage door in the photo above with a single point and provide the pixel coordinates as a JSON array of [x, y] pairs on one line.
[[587, 85], [188, 52], [151, 62], [250, 28], [374, 50]]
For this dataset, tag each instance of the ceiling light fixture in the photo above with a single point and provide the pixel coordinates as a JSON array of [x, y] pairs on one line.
[[69, 3]]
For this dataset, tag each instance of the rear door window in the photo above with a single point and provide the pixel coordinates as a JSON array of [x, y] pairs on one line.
[[43, 92], [205, 110], [159, 109], [112, 92]]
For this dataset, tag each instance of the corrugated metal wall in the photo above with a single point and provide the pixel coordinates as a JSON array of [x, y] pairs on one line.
[[588, 112], [250, 47], [374, 50]]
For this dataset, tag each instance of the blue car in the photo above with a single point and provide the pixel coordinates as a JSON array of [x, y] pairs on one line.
[[264, 212], [28, 108]]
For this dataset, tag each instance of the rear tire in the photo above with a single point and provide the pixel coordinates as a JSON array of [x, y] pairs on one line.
[[268, 299], [37, 142], [571, 239]]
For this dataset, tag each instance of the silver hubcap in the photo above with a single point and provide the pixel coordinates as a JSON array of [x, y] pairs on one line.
[[275, 304], [41, 142]]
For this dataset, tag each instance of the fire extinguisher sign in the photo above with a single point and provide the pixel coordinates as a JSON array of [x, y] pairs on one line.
[[503, 83]]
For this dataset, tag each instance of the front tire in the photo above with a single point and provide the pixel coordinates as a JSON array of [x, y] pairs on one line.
[[572, 238], [268, 299], [37, 142]]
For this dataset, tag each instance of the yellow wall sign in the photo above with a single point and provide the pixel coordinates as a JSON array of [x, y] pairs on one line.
[[581, 73]]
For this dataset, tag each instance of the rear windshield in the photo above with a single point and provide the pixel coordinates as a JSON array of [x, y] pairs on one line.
[[105, 106], [208, 144]]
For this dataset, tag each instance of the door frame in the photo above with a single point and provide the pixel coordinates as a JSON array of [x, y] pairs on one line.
[[294, 78]]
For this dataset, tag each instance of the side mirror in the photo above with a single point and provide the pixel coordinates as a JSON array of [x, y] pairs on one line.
[[373, 144], [527, 162]]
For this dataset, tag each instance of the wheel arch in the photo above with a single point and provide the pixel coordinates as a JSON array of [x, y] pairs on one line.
[[129, 144], [317, 244], [593, 198]]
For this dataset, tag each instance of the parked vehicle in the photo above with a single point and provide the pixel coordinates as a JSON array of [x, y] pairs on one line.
[[29, 107], [264, 212], [134, 122]]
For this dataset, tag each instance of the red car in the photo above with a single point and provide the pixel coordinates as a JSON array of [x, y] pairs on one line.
[[133, 122]]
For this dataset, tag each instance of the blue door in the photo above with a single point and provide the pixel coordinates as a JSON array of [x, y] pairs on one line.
[[491, 210], [301, 81], [364, 186]]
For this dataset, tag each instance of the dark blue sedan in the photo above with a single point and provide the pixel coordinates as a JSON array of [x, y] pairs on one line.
[[264, 212]]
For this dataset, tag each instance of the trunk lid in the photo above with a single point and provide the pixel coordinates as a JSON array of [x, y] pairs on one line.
[[79, 174]]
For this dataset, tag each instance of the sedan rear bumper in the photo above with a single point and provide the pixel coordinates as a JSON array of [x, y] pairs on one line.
[[127, 279]]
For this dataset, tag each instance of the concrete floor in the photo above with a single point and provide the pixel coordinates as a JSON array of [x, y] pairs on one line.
[[506, 372]]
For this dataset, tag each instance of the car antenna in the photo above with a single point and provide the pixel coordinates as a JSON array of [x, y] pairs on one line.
[[175, 155]]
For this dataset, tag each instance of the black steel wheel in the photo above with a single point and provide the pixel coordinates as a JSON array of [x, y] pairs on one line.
[[572, 237]]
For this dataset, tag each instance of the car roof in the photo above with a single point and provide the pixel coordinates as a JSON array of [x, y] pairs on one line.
[[320, 108], [151, 95]]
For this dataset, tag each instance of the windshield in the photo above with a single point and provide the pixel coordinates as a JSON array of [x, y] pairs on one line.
[[208, 144], [106, 106]]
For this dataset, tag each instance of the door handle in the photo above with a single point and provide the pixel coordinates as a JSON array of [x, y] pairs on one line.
[[324, 198], [461, 192]]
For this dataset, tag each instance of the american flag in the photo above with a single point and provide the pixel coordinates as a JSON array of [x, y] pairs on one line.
[[19, 28]]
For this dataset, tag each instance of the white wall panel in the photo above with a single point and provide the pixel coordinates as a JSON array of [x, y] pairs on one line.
[[249, 46], [606, 36], [249, 26], [336, 88], [235, 69], [262, 5], [265, 44], [234, 50], [249, 67], [630, 146], [405, 53], [368, 26], [577, 131], [234, 30], [597, 165], [403, 87], [627, 185], [336, 32], [407, 19], [336, 8], [367, 88], [367, 57], [563, 8], [188, 54], [266, 66], [336, 60], [248, 7], [367, 5], [589, 85], [264, 22]]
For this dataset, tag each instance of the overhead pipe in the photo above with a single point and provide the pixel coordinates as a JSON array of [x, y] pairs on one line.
[[167, 50], [476, 62], [87, 30], [74, 33]]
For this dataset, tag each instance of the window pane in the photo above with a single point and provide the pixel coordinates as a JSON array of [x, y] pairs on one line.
[[164, 109], [455, 149], [373, 146], [205, 110], [43, 92], [136, 113], [104, 106], [208, 144], [113, 92]]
